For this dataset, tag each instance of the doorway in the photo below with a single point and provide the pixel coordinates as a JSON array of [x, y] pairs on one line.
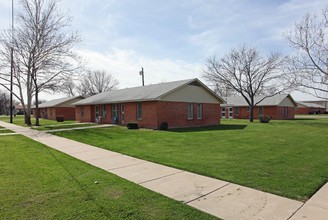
[[122, 114], [97, 114]]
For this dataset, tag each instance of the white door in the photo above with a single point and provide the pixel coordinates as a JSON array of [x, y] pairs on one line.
[[96, 114], [122, 114], [230, 113]]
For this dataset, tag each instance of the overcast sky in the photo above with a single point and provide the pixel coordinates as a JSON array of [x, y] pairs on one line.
[[171, 39]]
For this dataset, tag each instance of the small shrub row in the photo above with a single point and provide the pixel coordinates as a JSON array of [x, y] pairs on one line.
[[132, 125], [265, 119], [60, 118]]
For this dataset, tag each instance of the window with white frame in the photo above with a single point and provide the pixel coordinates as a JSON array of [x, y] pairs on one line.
[[199, 111], [190, 111], [260, 110], [223, 112], [114, 110], [139, 111], [247, 108], [103, 111]]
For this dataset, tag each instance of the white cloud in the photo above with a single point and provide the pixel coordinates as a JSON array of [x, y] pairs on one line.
[[126, 64]]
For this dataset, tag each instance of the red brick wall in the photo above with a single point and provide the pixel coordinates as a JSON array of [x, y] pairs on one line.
[[67, 112], [176, 114], [89, 114], [155, 112]]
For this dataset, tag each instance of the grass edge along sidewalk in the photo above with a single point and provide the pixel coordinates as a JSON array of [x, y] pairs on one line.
[[39, 182], [286, 158]]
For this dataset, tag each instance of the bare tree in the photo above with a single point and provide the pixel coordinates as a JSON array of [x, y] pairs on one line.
[[96, 82], [43, 50], [4, 103], [309, 67], [247, 73]]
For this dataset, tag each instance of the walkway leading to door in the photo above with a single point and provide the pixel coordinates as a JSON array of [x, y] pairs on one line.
[[219, 198]]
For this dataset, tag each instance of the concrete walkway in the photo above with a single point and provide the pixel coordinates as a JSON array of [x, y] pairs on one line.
[[219, 198]]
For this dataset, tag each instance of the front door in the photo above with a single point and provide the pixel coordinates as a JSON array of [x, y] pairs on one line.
[[96, 114], [230, 113], [122, 114]]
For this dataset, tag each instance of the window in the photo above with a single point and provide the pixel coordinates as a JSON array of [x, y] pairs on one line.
[[139, 111], [247, 108], [199, 111], [223, 112], [114, 110], [103, 111], [82, 111], [236, 111], [190, 111], [50, 111], [285, 111], [260, 110]]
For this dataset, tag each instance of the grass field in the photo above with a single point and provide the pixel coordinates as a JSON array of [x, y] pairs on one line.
[[19, 120], [6, 131], [40, 183], [53, 127], [287, 158]]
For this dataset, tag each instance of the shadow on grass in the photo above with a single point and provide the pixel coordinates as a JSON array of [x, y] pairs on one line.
[[303, 119], [210, 128]]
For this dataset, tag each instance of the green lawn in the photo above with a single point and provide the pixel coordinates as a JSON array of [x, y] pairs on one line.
[[54, 127], [287, 158], [19, 120], [38, 182], [6, 131]]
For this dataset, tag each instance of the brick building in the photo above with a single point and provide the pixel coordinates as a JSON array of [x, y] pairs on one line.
[[304, 108], [280, 106], [184, 103], [58, 107]]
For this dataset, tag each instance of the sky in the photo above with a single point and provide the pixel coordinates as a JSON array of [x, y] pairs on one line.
[[172, 39]]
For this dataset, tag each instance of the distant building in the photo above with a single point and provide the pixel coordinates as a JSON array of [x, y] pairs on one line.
[[18, 110], [280, 106], [304, 108], [322, 102], [58, 107]]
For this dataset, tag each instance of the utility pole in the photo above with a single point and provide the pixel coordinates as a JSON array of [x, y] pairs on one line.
[[142, 74], [12, 61]]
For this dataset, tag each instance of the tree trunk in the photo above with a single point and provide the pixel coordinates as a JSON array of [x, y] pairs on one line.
[[37, 107], [27, 117], [251, 118]]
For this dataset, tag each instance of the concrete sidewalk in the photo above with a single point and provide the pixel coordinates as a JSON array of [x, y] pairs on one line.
[[219, 198]]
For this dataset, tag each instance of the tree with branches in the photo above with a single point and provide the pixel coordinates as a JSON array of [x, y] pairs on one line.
[[4, 103], [97, 81], [91, 83], [308, 68], [244, 71], [43, 45]]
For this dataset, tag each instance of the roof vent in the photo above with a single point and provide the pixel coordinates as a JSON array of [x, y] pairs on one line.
[[194, 83]]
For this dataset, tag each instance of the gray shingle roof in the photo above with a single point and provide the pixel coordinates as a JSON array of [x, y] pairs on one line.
[[56, 102], [310, 105], [135, 94], [269, 101]]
